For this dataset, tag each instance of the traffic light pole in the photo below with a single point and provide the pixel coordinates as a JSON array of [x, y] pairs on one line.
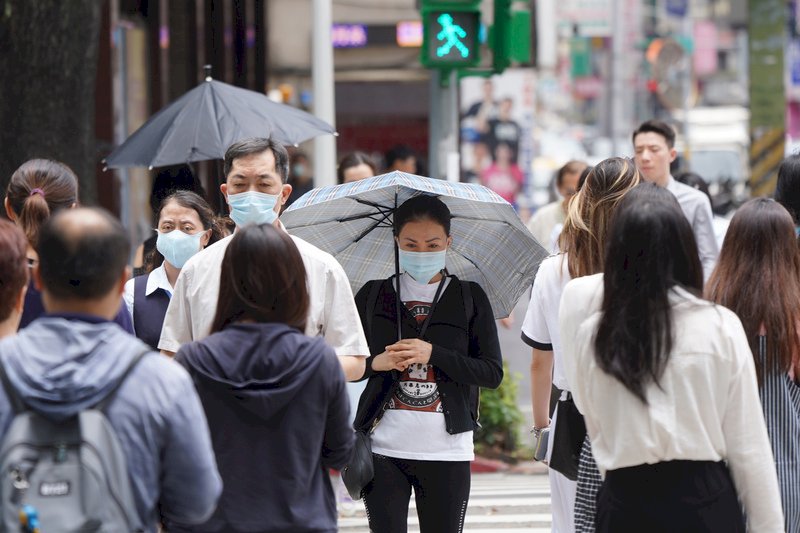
[[443, 154]]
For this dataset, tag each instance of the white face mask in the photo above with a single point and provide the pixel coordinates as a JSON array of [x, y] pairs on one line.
[[422, 266], [177, 247], [253, 207]]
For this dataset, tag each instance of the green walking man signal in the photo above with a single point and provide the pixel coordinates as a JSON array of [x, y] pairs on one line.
[[450, 31], [451, 36]]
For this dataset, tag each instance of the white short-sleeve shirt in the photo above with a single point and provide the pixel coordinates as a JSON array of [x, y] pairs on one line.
[[332, 313], [540, 327]]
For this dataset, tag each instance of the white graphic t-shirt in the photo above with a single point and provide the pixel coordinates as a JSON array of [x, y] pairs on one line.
[[413, 425]]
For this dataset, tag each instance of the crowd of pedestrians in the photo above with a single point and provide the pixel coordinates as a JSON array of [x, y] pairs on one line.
[[664, 371]]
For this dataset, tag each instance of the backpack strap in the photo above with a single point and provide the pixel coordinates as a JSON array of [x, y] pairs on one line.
[[372, 304], [103, 404], [17, 404], [466, 293]]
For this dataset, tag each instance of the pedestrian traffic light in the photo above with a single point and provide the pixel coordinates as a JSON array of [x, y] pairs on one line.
[[450, 33], [510, 35]]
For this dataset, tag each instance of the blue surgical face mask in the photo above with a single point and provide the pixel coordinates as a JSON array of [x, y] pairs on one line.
[[253, 207], [177, 247], [422, 266]]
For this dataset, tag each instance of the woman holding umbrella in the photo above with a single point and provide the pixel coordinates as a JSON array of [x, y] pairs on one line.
[[433, 342]]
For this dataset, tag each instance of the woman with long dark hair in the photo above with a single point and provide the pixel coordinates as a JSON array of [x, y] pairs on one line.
[[186, 225], [758, 278], [666, 383], [421, 400], [573, 476], [274, 398], [787, 188]]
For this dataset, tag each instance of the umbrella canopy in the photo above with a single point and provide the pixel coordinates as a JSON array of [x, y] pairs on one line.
[[201, 124], [353, 221]]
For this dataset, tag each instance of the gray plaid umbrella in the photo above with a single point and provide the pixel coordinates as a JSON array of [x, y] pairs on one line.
[[352, 222]]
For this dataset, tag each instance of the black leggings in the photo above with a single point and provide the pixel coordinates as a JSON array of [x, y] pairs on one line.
[[692, 496], [441, 491]]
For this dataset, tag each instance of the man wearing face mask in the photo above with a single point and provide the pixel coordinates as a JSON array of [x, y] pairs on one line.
[[255, 188], [299, 177]]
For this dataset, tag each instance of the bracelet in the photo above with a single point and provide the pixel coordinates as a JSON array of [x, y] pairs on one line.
[[538, 431]]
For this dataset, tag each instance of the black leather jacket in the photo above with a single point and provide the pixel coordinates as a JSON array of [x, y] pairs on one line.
[[465, 356]]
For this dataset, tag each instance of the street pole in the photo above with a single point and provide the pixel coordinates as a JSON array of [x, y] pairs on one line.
[[617, 85], [322, 74], [443, 153], [687, 89], [119, 88]]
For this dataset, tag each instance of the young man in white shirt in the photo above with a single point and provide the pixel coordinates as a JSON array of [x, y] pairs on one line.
[[654, 148], [255, 188]]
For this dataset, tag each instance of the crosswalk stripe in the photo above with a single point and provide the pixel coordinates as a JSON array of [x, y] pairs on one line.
[[510, 503]]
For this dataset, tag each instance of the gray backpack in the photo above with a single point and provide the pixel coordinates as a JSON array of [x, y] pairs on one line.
[[69, 476]]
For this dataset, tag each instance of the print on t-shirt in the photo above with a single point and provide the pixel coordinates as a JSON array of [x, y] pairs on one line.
[[417, 390]]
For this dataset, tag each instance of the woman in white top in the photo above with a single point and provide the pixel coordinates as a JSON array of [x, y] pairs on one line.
[[582, 241], [186, 225], [667, 384]]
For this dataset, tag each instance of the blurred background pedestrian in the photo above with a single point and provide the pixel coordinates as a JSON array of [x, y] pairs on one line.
[[355, 166]]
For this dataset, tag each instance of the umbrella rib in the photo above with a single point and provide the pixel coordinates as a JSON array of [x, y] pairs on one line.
[[377, 224]]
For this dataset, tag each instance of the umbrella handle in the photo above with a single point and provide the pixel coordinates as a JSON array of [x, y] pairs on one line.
[[398, 300]]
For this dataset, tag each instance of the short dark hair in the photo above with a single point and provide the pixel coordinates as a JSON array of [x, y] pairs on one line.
[[262, 279], [257, 145], [650, 250], [787, 190], [82, 253], [354, 159], [400, 152], [13, 266], [695, 181], [656, 126], [422, 207]]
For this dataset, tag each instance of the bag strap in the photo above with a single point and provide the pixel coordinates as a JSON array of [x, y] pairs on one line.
[[17, 404], [372, 304], [436, 296], [466, 294], [103, 404]]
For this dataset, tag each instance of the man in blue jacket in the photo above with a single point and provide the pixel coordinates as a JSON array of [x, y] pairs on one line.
[[70, 358]]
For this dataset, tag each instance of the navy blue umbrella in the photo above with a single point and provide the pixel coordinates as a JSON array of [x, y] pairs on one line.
[[201, 124]]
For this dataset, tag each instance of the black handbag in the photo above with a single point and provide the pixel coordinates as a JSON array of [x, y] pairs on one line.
[[360, 470], [567, 439]]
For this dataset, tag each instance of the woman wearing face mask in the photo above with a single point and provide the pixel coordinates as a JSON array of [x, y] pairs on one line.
[[421, 399], [186, 225]]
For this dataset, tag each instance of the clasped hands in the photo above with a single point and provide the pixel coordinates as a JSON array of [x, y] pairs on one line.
[[402, 354]]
